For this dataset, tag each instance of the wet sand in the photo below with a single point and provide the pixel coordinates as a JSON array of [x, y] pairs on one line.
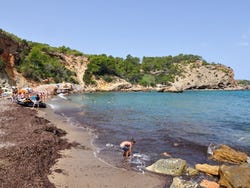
[[35, 152], [79, 167]]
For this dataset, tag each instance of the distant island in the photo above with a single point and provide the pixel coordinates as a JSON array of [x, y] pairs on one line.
[[26, 64]]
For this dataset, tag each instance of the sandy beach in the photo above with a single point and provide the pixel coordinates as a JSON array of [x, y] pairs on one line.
[[35, 153], [80, 167]]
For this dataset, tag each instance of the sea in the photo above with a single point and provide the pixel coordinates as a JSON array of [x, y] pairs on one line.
[[186, 125]]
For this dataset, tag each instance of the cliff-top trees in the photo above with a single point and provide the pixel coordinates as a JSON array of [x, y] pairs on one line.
[[38, 65]]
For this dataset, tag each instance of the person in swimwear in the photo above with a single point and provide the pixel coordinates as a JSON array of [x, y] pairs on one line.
[[126, 146]]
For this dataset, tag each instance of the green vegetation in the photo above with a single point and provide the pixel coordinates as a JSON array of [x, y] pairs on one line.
[[12, 36], [243, 82], [2, 64], [38, 65], [151, 71], [41, 61], [67, 50]]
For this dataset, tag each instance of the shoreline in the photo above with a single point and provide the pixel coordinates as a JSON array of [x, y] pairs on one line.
[[80, 167]]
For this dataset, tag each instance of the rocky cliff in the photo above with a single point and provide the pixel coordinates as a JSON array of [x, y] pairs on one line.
[[196, 75], [10, 53]]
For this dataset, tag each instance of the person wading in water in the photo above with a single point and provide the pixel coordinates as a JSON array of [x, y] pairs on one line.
[[126, 146]]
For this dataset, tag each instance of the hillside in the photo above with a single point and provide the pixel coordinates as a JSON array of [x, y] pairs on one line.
[[25, 63]]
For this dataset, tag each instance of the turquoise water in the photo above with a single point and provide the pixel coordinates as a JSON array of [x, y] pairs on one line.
[[181, 124]]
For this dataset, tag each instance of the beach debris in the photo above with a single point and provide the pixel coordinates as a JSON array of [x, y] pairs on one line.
[[3, 163], [166, 154], [209, 184], [226, 154], [6, 144], [180, 183], [211, 148], [235, 176], [176, 144], [171, 166], [109, 145], [209, 169]]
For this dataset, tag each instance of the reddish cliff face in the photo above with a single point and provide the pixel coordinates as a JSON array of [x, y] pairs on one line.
[[10, 51]]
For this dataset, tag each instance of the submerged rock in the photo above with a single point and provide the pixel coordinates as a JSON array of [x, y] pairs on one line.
[[171, 166], [180, 183], [235, 176]]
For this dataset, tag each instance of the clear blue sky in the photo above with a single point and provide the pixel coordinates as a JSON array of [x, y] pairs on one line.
[[217, 30]]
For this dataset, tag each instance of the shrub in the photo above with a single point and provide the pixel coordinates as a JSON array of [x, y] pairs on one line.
[[2, 64]]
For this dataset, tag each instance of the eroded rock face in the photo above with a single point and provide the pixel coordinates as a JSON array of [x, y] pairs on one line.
[[226, 154], [10, 51], [235, 176], [171, 166], [77, 64], [198, 76]]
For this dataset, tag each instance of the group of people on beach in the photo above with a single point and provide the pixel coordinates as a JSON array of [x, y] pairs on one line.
[[27, 94], [126, 145]]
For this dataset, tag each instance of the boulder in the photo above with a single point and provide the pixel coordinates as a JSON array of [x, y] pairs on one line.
[[209, 184], [171, 166], [209, 169], [226, 154], [180, 183], [235, 176]]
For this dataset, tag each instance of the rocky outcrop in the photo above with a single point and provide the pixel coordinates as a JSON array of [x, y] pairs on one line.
[[77, 64], [200, 76], [235, 176], [117, 84], [226, 154], [10, 52], [171, 166]]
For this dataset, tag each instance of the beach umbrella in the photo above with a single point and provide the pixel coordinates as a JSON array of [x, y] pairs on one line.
[[22, 91]]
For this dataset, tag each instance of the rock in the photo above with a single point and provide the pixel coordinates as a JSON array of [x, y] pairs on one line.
[[209, 184], [209, 169], [199, 76], [226, 154], [171, 166], [173, 89], [180, 183], [191, 171], [235, 176]]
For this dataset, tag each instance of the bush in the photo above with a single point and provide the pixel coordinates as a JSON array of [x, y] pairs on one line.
[[38, 66], [107, 78], [2, 64]]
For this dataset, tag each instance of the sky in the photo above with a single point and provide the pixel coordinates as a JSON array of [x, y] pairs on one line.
[[216, 30]]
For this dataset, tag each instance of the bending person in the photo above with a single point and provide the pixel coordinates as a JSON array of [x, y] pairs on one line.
[[126, 146]]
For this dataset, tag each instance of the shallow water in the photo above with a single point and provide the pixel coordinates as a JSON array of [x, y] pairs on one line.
[[181, 124]]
